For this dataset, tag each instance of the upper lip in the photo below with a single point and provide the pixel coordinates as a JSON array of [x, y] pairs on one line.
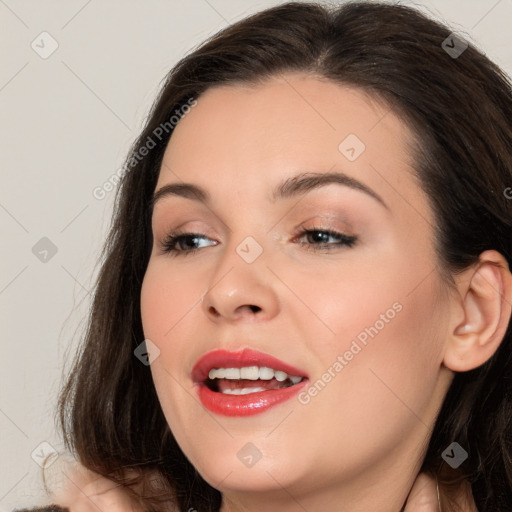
[[246, 357]]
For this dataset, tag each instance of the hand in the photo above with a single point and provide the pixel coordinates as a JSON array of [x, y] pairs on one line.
[[81, 490], [423, 495]]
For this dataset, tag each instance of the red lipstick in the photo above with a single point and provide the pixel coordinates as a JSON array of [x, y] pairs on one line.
[[253, 402]]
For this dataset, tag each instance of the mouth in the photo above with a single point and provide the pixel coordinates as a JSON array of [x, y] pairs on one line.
[[245, 382]]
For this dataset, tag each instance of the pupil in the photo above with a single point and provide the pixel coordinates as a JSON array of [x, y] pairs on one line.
[[190, 241], [318, 236]]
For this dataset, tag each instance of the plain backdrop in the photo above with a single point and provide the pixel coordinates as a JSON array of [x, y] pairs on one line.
[[76, 80]]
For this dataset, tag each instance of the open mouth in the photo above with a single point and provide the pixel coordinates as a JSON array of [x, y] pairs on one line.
[[248, 379], [245, 382]]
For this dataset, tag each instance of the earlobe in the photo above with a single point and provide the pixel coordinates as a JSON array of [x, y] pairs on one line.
[[485, 296]]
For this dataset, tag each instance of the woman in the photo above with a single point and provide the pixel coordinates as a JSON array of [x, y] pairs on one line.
[[313, 237]]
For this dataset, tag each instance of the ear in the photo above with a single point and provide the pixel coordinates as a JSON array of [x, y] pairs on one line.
[[481, 314]]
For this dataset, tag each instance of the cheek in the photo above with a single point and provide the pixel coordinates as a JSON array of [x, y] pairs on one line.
[[382, 338], [381, 391], [391, 344], [169, 302], [167, 297]]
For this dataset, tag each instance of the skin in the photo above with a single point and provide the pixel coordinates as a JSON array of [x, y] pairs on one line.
[[81, 490], [360, 441]]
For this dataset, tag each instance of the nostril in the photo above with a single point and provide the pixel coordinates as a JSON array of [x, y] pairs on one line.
[[239, 310], [213, 311]]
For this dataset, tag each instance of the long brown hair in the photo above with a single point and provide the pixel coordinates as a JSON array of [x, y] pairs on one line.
[[459, 107]]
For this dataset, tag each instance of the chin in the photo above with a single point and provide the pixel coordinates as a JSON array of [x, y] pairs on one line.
[[225, 475], [245, 462]]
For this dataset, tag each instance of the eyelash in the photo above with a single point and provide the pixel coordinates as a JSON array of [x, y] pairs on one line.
[[169, 244]]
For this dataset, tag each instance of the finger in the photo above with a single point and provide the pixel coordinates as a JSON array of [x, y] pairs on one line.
[[423, 496], [86, 491]]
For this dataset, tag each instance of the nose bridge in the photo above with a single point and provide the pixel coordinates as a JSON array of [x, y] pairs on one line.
[[240, 283]]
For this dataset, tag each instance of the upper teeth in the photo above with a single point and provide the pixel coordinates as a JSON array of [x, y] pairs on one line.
[[252, 373]]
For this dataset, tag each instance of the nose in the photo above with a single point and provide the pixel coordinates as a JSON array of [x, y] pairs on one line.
[[239, 290]]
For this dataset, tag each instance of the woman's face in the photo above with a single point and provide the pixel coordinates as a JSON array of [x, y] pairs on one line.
[[313, 244]]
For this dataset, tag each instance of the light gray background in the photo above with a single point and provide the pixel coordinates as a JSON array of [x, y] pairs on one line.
[[66, 124]]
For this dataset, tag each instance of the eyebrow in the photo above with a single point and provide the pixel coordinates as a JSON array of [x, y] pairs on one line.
[[290, 187]]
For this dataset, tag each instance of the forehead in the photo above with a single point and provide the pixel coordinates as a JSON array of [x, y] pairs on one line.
[[250, 137], [286, 117]]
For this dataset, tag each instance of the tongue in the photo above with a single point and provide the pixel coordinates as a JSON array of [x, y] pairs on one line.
[[224, 384]]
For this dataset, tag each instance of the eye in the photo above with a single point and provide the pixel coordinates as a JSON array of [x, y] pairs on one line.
[[316, 239], [185, 243], [320, 238]]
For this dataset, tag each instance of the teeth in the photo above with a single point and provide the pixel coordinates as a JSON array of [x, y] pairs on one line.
[[232, 373], [216, 373], [266, 373], [280, 376], [252, 373], [243, 391]]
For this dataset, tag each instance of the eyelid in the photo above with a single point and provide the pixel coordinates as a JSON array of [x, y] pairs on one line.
[[176, 226], [327, 223]]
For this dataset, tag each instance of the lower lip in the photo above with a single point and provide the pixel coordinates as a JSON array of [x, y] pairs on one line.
[[246, 405]]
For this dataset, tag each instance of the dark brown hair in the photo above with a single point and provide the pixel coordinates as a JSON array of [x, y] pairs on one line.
[[459, 110]]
